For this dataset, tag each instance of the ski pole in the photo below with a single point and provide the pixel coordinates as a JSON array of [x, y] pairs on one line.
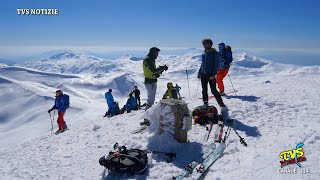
[[198, 87], [51, 124], [242, 140], [171, 155], [54, 113], [232, 85], [188, 83]]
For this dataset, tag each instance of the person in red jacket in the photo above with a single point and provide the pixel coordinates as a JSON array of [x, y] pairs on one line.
[[61, 106]]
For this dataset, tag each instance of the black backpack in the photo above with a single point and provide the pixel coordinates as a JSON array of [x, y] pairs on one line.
[[126, 161]]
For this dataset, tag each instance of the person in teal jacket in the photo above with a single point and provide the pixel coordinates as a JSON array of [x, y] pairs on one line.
[[110, 100]]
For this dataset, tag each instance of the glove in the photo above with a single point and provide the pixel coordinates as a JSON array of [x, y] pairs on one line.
[[165, 67], [157, 75], [49, 111], [199, 76], [212, 77], [225, 64]]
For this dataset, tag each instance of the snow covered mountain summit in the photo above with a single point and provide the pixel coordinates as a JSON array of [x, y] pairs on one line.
[[276, 106]]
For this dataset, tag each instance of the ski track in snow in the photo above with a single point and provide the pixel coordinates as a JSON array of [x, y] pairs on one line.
[[272, 117]]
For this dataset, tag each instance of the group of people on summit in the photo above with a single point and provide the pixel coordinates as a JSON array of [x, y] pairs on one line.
[[214, 67], [133, 103]]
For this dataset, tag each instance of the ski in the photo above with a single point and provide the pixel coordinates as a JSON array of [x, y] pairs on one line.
[[188, 169], [207, 134], [219, 131], [212, 158]]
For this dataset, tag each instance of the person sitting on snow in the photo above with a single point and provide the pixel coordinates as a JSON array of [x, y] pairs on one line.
[[130, 105], [171, 92]]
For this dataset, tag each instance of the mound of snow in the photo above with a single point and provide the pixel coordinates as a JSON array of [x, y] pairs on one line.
[[2, 65], [246, 60]]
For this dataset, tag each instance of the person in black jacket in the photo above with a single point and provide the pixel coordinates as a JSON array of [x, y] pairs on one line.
[[208, 71], [136, 93]]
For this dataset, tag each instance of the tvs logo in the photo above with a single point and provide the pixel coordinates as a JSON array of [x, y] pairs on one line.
[[293, 156]]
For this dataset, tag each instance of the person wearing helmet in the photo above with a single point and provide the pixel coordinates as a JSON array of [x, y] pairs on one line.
[[208, 71], [171, 92], [151, 74], [59, 104], [225, 62], [110, 100]]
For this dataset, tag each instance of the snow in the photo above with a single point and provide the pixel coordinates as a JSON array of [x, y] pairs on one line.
[[272, 117]]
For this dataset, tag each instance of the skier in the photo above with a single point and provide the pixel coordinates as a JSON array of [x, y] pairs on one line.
[[130, 105], [225, 62], [151, 74], [178, 88], [61, 104], [136, 93], [208, 71], [171, 92], [110, 100]]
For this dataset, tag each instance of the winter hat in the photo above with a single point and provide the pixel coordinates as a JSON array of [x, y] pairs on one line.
[[170, 84], [59, 91], [110, 90], [154, 50], [221, 45]]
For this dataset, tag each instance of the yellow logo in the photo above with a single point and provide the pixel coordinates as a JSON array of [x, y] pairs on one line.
[[292, 156]]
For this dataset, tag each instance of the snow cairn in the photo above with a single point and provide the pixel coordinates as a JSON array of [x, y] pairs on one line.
[[170, 117]]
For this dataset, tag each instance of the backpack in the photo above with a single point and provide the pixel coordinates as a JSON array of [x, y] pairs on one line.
[[228, 48], [125, 161], [66, 101], [205, 114]]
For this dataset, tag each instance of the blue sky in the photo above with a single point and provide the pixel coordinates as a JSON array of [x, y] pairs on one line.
[[164, 23]]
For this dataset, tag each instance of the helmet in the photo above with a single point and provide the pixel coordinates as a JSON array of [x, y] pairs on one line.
[[169, 84]]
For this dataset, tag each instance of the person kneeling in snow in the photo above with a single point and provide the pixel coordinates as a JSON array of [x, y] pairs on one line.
[[116, 109], [61, 104], [171, 92], [131, 104]]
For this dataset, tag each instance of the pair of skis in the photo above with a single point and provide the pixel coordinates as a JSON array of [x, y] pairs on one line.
[[197, 168], [218, 133]]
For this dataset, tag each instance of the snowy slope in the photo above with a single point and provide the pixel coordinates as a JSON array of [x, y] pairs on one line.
[[275, 108]]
